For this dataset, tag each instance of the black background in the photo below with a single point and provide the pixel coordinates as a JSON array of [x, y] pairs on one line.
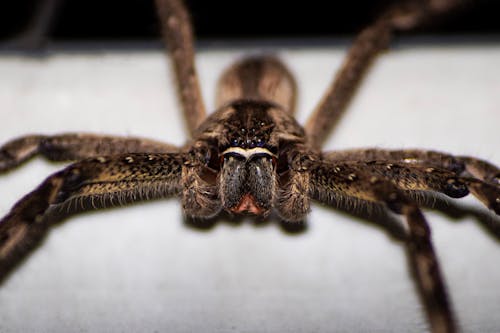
[[91, 20]]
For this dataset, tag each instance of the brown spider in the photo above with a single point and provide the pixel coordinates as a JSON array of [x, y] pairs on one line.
[[250, 156]]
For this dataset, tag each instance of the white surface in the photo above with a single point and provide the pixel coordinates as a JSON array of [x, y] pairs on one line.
[[142, 269]]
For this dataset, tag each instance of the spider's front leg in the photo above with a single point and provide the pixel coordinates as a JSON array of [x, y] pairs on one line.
[[292, 200], [331, 182], [200, 195], [74, 147], [93, 183], [423, 170], [461, 165]]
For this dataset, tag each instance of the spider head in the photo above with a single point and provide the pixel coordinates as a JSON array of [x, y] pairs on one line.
[[245, 154]]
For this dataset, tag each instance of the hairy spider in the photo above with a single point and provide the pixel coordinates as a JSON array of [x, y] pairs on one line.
[[250, 156]]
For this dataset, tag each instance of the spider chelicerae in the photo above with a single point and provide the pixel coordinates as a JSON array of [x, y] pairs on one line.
[[250, 161]]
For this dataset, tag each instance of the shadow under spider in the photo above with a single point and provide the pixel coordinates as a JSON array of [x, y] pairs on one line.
[[378, 215], [456, 211], [288, 228]]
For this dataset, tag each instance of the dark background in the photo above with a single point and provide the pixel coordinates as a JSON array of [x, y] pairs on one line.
[[94, 20]]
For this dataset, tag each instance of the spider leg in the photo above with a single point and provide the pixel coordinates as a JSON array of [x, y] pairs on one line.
[[414, 177], [73, 147], [200, 197], [370, 42], [461, 165], [93, 183], [292, 201], [328, 185], [178, 36]]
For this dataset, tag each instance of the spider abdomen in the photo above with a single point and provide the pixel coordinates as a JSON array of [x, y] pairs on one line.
[[259, 78]]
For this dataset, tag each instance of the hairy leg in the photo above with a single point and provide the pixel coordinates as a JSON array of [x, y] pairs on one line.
[[404, 15], [329, 186], [416, 177], [73, 147], [178, 35], [36, 32], [461, 165], [293, 202], [93, 183]]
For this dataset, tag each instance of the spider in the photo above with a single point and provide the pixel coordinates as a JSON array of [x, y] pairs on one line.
[[251, 156]]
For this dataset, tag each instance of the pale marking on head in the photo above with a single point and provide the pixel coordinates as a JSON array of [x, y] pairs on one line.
[[247, 153]]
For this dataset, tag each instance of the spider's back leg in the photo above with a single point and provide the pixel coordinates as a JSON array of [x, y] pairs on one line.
[[178, 35], [258, 78], [402, 16]]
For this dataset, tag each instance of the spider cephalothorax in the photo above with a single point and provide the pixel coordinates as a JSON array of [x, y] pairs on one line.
[[245, 144], [251, 156]]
